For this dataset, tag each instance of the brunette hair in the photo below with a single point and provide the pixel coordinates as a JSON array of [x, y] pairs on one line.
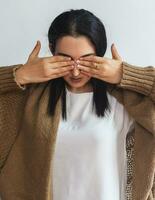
[[79, 22]]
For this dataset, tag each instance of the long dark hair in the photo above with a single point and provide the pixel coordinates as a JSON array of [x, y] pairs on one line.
[[76, 23]]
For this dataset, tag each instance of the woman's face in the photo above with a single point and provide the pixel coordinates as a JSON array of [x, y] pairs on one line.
[[75, 47]]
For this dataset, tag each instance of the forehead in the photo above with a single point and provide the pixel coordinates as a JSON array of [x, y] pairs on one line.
[[74, 46]]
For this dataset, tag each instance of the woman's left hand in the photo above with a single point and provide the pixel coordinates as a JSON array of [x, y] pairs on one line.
[[109, 70]]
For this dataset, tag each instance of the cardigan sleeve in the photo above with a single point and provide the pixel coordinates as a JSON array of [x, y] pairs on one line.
[[139, 79], [12, 99], [7, 81], [136, 92]]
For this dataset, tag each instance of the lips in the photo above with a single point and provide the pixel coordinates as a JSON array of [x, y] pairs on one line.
[[76, 79]]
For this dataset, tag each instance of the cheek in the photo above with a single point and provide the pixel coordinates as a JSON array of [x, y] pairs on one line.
[[66, 78], [86, 78]]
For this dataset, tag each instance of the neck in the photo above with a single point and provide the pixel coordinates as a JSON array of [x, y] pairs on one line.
[[87, 88]]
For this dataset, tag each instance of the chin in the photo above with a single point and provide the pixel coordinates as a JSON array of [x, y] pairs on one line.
[[77, 85]]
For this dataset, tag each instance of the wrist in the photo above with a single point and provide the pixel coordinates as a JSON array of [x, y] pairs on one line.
[[18, 77], [120, 72]]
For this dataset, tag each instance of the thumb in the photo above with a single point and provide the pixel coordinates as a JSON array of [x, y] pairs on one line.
[[114, 52], [35, 51]]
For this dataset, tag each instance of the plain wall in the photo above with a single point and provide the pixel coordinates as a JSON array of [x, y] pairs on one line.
[[129, 24]]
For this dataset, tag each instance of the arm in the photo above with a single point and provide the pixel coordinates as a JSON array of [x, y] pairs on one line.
[[138, 79], [136, 92], [12, 99]]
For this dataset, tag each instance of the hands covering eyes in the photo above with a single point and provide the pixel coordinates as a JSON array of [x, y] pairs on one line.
[[43, 69], [109, 70]]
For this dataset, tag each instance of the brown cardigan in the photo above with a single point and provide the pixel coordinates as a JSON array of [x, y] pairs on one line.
[[28, 135]]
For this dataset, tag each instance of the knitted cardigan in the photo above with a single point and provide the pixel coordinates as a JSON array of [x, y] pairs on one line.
[[28, 135]]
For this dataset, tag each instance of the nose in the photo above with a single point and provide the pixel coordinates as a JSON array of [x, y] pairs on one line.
[[75, 71]]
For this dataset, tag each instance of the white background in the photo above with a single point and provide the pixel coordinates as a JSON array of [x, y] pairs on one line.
[[130, 24]]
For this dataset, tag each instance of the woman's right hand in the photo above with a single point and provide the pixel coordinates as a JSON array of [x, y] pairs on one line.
[[37, 69]]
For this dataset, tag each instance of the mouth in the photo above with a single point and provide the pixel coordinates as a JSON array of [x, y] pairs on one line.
[[76, 79]]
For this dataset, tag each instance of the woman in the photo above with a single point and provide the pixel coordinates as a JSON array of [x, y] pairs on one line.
[[77, 125]]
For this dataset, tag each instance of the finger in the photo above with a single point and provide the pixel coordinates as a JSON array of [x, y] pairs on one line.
[[61, 64], [93, 58], [90, 75], [35, 51], [59, 75], [88, 64], [114, 52], [61, 70], [53, 59], [53, 76], [88, 69], [86, 73]]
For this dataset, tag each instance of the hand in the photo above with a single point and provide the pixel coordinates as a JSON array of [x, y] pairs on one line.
[[43, 69], [109, 70]]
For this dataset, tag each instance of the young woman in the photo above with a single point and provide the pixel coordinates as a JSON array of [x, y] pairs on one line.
[[77, 125]]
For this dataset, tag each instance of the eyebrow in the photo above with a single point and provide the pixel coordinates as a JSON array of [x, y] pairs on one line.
[[63, 54]]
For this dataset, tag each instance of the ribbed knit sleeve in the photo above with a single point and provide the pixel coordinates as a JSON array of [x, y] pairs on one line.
[[7, 82], [11, 110], [139, 79]]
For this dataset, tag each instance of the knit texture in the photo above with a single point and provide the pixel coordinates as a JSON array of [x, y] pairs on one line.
[[141, 80], [28, 135]]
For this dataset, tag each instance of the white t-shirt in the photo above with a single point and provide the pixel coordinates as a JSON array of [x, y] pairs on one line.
[[90, 153]]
